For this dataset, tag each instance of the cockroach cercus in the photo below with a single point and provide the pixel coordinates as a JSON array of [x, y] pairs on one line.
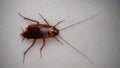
[[44, 31]]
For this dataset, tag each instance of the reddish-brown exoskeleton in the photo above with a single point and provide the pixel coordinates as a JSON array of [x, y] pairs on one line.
[[43, 31]]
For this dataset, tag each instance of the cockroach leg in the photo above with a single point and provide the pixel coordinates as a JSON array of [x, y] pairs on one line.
[[28, 19], [58, 40], [59, 23], [28, 49], [44, 19], [44, 42]]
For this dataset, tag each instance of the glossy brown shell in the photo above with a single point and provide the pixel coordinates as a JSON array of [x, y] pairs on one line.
[[38, 31]]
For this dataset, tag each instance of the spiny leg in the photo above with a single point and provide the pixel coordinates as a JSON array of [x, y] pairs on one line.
[[59, 23], [28, 49], [28, 19], [44, 19], [42, 47]]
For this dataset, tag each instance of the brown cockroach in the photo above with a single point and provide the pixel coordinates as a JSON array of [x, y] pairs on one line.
[[43, 31]]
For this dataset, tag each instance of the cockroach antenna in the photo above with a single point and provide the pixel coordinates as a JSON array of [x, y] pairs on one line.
[[70, 44], [75, 49], [81, 21]]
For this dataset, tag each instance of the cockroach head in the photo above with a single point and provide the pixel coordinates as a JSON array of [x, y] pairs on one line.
[[53, 31]]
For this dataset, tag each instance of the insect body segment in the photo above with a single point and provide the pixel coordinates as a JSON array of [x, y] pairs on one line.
[[36, 31]]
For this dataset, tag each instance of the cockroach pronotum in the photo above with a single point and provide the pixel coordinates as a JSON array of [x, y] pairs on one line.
[[43, 31]]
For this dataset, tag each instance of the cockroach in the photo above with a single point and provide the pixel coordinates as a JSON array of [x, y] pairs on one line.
[[44, 31]]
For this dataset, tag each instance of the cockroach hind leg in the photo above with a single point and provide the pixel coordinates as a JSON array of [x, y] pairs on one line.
[[20, 15], [42, 47], [28, 18], [28, 50], [23, 58]]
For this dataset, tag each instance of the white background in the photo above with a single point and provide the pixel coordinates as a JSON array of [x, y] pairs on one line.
[[98, 38]]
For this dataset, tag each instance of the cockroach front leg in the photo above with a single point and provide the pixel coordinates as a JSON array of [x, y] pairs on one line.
[[58, 40], [28, 19], [58, 23], [44, 42], [28, 49]]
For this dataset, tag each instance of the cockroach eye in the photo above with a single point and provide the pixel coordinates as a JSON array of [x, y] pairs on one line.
[[57, 32]]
